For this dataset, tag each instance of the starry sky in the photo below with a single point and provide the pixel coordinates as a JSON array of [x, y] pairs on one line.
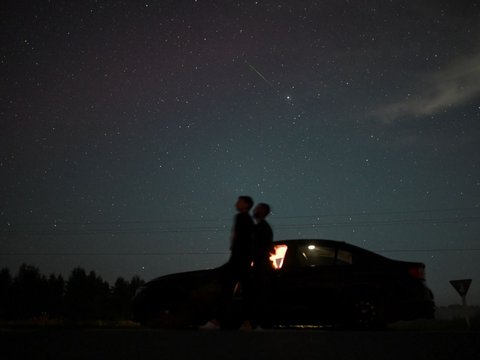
[[129, 128]]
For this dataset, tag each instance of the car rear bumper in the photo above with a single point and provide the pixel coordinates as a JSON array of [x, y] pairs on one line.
[[412, 311]]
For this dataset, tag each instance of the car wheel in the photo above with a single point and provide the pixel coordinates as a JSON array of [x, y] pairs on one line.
[[368, 314], [171, 316], [232, 316]]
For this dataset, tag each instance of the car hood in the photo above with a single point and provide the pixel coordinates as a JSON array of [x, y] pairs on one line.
[[184, 277]]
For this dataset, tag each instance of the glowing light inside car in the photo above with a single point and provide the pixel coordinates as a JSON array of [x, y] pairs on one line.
[[311, 247], [278, 256]]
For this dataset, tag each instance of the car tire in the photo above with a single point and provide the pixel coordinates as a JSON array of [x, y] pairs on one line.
[[171, 316], [232, 315], [368, 313]]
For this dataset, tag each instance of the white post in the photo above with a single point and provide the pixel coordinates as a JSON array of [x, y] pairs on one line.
[[465, 311], [462, 287]]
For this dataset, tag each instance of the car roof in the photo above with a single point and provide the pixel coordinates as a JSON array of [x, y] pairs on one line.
[[305, 241], [328, 242]]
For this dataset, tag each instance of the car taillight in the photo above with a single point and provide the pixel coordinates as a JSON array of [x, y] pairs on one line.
[[417, 271]]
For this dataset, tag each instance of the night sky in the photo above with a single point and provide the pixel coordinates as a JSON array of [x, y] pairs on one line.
[[129, 128]]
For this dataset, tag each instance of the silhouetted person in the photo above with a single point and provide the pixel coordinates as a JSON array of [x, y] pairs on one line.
[[262, 239], [242, 237], [262, 266], [237, 269]]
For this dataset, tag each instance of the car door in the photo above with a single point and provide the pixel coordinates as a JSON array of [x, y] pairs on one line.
[[306, 290]]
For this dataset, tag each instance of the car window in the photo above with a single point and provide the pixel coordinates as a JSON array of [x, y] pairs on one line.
[[344, 257], [314, 255]]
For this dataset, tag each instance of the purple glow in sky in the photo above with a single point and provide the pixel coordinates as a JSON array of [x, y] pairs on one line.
[[128, 129]]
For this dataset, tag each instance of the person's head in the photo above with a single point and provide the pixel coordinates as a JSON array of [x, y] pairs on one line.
[[244, 203], [261, 211]]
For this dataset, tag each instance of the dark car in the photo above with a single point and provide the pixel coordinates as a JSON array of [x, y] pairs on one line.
[[312, 282]]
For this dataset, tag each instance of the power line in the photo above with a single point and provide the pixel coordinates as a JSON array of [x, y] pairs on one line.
[[383, 223], [202, 253], [385, 212], [60, 231], [428, 250], [223, 220], [193, 253]]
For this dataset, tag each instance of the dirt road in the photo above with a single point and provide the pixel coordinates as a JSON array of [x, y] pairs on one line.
[[63, 344]]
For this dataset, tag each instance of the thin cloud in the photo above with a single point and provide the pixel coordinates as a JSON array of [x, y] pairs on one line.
[[451, 87]]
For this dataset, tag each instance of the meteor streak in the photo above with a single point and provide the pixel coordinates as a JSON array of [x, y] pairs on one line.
[[261, 76]]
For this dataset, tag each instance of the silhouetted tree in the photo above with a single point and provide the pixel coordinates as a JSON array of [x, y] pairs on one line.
[[5, 293], [28, 293], [120, 299], [122, 295], [55, 291], [135, 283], [83, 297], [86, 296]]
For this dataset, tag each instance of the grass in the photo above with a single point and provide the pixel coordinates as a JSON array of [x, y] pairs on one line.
[[63, 323], [436, 325]]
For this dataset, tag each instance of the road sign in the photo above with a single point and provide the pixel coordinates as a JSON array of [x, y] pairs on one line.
[[461, 286]]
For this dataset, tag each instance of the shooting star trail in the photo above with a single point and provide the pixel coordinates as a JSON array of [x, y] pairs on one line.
[[261, 76], [287, 98]]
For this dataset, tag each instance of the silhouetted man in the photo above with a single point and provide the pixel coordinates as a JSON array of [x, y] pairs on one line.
[[262, 266], [242, 237], [262, 239], [237, 269]]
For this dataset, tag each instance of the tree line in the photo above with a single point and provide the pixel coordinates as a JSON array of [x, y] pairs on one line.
[[82, 297]]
